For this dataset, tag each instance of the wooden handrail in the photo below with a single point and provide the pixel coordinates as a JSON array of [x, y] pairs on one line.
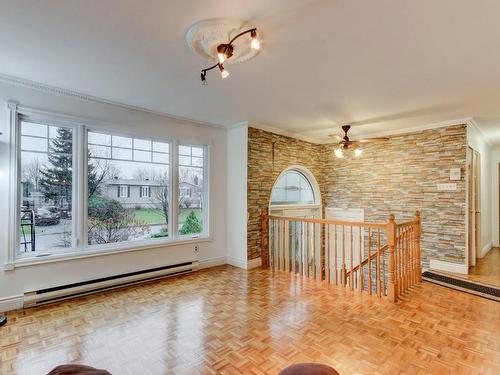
[[372, 256], [328, 250], [327, 221]]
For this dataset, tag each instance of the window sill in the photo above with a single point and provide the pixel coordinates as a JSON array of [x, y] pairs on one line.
[[91, 252]]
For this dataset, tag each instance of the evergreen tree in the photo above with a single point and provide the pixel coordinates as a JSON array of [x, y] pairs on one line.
[[191, 225], [56, 180]]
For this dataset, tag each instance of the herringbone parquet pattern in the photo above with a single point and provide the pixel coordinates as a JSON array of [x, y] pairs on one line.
[[230, 321]]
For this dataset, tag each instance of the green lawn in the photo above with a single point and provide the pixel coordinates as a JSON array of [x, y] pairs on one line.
[[149, 216], [155, 216]]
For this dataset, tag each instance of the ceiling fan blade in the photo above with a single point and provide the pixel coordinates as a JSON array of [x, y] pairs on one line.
[[335, 137], [372, 140]]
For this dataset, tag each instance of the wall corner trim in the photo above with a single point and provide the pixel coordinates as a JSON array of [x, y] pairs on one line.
[[439, 265], [236, 262], [11, 303]]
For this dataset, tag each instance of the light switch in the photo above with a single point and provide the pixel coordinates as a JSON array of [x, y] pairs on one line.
[[455, 174]]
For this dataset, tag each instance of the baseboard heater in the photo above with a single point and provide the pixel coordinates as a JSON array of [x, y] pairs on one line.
[[59, 293]]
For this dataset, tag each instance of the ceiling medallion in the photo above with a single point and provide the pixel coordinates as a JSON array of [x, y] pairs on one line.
[[344, 143], [223, 41]]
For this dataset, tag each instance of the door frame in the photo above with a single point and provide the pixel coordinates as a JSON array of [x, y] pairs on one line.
[[473, 205]]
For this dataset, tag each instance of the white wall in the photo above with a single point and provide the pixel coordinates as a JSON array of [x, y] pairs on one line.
[[237, 144], [14, 283], [495, 160], [478, 142]]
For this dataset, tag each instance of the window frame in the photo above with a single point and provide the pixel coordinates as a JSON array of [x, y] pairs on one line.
[[80, 247], [205, 194]]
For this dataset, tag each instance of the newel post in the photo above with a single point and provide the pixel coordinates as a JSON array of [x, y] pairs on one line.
[[418, 234], [264, 244], [391, 242]]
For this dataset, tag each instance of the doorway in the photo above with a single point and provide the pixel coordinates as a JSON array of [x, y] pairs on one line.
[[474, 205]]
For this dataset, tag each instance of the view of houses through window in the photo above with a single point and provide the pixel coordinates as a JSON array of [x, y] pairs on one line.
[[128, 188], [46, 187]]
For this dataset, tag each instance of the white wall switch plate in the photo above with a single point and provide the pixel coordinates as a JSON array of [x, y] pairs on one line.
[[447, 187], [455, 174]]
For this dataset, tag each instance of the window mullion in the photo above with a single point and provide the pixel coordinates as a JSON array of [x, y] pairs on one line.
[[174, 191]]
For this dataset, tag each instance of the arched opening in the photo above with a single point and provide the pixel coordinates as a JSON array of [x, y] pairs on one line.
[[295, 193]]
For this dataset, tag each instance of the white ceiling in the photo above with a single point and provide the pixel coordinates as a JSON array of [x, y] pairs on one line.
[[383, 65]]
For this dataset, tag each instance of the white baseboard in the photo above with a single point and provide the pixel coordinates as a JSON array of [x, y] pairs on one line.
[[440, 265], [244, 263], [254, 263], [212, 262], [11, 303], [240, 263], [485, 249]]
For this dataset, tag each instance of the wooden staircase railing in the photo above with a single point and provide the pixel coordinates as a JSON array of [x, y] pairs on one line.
[[376, 258]]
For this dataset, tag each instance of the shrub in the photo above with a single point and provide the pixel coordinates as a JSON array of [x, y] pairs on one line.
[[191, 225]]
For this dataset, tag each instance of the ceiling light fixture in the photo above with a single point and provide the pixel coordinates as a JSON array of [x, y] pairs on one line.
[[223, 72], [225, 52], [345, 143]]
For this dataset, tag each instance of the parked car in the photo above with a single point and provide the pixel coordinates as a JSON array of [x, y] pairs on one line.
[[46, 216]]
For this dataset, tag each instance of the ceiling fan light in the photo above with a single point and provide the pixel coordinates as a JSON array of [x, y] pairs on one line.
[[221, 57], [223, 72], [358, 151], [339, 153], [255, 44]]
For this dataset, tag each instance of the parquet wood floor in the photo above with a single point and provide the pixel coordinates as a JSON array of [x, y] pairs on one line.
[[486, 270], [229, 321]]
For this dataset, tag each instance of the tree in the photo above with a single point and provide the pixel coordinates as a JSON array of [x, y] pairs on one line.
[[56, 179], [31, 173], [191, 225], [98, 171], [160, 198]]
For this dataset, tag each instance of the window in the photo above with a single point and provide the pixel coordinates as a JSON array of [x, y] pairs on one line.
[[46, 188], [191, 190], [145, 192], [89, 190], [292, 187], [123, 191], [120, 164]]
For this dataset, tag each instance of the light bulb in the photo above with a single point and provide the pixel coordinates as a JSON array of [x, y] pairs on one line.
[[255, 44], [221, 57], [358, 152], [203, 79], [223, 72], [339, 153]]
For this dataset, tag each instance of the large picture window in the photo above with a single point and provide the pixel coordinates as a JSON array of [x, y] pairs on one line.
[[90, 190], [128, 189], [46, 188]]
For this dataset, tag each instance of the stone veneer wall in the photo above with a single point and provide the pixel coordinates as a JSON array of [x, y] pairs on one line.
[[398, 176], [401, 176], [262, 173]]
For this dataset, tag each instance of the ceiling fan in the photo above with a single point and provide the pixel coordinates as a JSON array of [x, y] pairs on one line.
[[345, 143]]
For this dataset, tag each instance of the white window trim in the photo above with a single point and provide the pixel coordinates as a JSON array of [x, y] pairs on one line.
[[80, 248]]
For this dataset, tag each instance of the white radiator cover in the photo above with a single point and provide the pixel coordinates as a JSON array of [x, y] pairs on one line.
[[58, 293]]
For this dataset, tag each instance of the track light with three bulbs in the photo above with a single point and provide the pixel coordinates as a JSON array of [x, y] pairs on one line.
[[225, 51]]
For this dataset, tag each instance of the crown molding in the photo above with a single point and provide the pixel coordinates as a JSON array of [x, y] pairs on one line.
[[471, 122], [22, 82], [283, 132], [395, 132]]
